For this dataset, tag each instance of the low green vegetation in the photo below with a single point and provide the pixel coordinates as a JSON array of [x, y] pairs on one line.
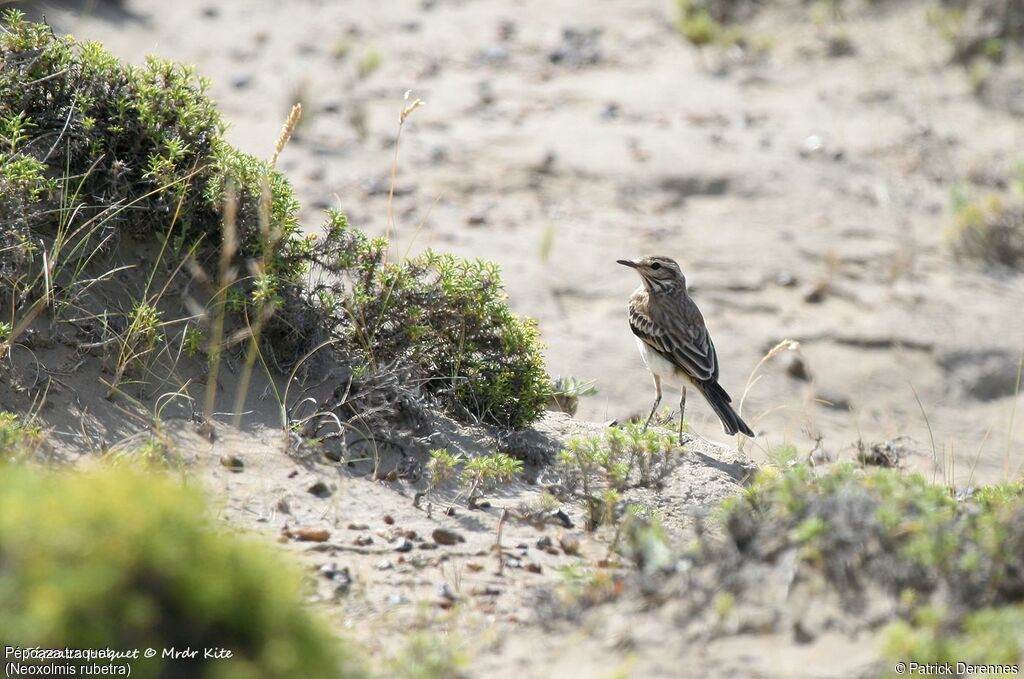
[[952, 567], [477, 476], [597, 469], [17, 439], [118, 559], [706, 22]]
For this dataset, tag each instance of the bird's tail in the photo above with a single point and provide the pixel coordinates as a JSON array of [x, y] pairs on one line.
[[719, 401]]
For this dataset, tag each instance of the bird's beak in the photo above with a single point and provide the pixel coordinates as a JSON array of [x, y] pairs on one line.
[[627, 262]]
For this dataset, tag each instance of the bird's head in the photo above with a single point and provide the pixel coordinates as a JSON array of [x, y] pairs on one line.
[[657, 272]]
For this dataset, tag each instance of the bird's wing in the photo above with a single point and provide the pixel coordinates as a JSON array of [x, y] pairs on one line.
[[680, 336]]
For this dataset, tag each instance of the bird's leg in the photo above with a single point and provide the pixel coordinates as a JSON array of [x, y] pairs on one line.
[[682, 409], [657, 400]]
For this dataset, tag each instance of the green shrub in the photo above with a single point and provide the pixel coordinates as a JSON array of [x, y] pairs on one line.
[[957, 566], [446, 316], [92, 150], [135, 147], [124, 560]]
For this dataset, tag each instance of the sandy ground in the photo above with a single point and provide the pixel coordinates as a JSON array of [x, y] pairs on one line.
[[556, 153]]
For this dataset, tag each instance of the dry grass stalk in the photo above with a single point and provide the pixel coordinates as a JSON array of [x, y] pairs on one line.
[[407, 109], [286, 132]]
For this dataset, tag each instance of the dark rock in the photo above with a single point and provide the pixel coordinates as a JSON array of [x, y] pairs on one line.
[[405, 545], [559, 517], [444, 536], [233, 463], [320, 489]]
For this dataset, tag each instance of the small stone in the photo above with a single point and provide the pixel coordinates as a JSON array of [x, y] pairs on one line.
[[320, 489], [444, 536], [533, 567], [428, 545], [544, 543], [233, 463], [816, 293], [362, 541], [411, 535], [405, 545], [474, 566], [283, 506], [570, 544], [311, 534], [358, 526], [444, 590], [389, 520], [785, 279]]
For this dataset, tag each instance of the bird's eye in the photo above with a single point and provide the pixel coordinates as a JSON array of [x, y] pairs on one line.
[[655, 266]]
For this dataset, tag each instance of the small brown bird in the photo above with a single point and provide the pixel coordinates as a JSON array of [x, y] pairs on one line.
[[674, 342]]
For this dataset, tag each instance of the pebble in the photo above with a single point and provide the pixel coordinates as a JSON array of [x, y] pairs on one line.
[[362, 541], [570, 544], [233, 463], [544, 543], [444, 536], [405, 545], [320, 489]]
